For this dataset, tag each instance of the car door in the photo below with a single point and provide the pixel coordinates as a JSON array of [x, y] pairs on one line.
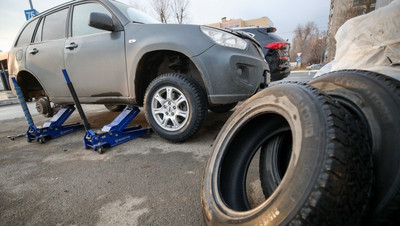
[[45, 55], [17, 57], [94, 58]]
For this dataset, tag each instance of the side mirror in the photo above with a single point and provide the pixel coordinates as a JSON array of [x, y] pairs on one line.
[[101, 21]]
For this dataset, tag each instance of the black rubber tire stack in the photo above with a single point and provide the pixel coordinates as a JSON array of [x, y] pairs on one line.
[[324, 175], [375, 99]]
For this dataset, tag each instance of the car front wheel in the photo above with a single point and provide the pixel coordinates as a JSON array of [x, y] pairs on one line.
[[175, 106]]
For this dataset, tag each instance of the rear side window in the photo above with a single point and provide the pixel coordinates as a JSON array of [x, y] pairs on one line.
[[26, 35], [275, 37], [54, 25], [261, 35], [80, 19]]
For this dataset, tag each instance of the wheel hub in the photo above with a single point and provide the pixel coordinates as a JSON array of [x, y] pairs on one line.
[[170, 108], [43, 106]]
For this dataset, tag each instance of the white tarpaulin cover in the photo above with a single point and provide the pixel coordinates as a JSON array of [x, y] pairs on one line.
[[371, 42]]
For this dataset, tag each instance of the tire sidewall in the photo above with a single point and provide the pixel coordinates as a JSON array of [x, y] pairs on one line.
[[306, 159]]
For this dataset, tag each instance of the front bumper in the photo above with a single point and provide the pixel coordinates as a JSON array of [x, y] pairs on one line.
[[232, 75]]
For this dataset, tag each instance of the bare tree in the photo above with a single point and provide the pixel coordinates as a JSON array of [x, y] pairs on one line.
[[180, 10], [161, 8], [310, 42]]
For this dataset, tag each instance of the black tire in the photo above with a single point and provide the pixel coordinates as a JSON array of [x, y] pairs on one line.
[[374, 98], [274, 160], [194, 107], [222, 108], [319, 186], [115, 107]]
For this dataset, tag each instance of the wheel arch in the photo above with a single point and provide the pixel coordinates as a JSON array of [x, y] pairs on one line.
[[30, 85], [158, 62]]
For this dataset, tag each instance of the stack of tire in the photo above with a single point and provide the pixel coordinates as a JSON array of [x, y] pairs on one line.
[[328, 152]]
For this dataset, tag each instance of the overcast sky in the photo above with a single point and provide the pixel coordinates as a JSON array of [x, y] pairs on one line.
[[285, 14]]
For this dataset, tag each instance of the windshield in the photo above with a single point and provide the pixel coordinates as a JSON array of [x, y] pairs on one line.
[[133, 14]]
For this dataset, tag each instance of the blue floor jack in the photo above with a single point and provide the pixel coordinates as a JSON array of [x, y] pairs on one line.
[[52, 129], [112, 134]]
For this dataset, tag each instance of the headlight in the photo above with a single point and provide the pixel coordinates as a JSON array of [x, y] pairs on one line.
[[224, 38]]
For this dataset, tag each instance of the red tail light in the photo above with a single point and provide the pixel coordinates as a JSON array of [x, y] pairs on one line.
[[283, 58], [277, 45]]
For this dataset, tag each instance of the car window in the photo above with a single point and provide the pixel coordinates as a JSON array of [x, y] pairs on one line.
[[80, 19], [38, 36], [26, 35], [133, 14], [54, 25], [275, 37], [262, 36]]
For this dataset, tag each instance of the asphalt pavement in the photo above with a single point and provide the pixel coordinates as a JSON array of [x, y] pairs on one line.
[[146, 181], [300, 76]]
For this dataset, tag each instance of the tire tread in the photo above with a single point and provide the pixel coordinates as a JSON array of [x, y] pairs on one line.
[[342, 183], [389, 215]]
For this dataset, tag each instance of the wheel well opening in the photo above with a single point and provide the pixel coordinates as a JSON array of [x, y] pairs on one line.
[[30, 86], [160, 62]]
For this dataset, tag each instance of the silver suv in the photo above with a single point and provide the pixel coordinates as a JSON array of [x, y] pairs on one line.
[[116, 55]]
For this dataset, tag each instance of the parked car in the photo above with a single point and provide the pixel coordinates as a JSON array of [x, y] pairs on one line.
[[117, 55], [275, 50], [314, 67]]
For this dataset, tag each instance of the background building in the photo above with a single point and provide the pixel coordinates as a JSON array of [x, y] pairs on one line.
[[4, 82], [260, 22], [340, 12]]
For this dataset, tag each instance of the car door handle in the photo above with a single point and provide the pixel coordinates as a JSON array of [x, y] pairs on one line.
[[34, 51], [71, 46]]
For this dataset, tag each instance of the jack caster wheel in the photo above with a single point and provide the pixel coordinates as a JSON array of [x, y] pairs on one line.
[[100, 150], [42, 140]]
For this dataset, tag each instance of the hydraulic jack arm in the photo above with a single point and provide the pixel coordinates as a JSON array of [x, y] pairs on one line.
[[112, 134]]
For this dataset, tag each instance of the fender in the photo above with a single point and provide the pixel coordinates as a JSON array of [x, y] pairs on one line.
[[144, 38]]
